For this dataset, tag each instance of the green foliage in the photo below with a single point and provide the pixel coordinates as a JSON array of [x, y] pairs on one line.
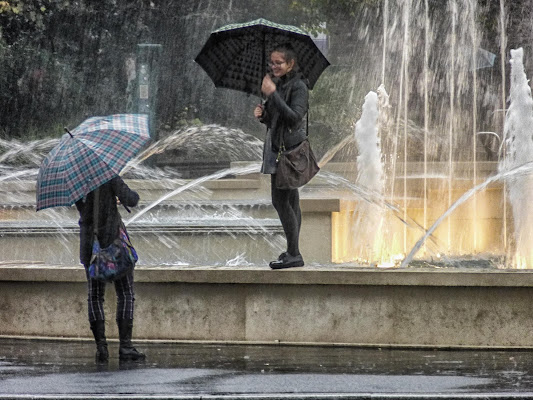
[[53, 130], [188, 116], [64, 60], [20, 18], [337, 98], [320, 12]]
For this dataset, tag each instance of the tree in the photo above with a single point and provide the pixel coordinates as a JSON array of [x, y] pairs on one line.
[[64, 60]]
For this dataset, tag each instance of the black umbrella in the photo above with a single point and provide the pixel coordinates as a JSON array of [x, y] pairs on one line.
[[235, 56]]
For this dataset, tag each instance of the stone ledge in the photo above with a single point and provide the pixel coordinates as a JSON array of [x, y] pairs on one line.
[[324, 205], [326, 275], [328, 304]]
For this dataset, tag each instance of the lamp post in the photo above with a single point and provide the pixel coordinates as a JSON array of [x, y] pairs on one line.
[[148, 58]]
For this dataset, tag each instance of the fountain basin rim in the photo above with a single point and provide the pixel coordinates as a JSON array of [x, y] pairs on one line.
[[167, 203], [151, 184], [211, 226], [308, 203], [315, 275]]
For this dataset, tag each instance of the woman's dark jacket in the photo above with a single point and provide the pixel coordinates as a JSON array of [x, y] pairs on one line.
[[285, 111], [108, 216]]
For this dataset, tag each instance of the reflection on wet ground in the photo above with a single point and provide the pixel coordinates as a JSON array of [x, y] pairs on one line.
[[31, 367]]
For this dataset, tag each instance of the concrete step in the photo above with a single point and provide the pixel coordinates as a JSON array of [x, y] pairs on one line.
[[170, 210]]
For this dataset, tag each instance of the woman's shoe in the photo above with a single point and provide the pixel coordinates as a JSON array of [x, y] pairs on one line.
[[102, 354], [126, 350], [288, 261]]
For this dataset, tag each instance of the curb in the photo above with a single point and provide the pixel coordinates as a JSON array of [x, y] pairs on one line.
[[282, 396]]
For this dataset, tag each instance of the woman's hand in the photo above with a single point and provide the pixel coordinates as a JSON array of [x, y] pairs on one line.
[[268, 86], [258, 111]]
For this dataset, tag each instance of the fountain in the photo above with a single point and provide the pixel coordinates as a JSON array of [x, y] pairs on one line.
[[171, 228], [439, 140], [518, 146], [418, 151], [431, 183]]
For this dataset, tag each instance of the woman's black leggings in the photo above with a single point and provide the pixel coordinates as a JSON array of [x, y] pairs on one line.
[[287, 204], [125, 298]]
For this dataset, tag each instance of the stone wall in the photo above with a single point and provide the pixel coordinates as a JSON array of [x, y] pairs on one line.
[[355, 306]]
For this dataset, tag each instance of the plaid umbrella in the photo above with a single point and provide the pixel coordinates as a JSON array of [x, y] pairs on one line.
[[90, 155], [235, 56]]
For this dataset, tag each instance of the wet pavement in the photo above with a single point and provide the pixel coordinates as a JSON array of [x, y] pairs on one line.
[[65, 369]]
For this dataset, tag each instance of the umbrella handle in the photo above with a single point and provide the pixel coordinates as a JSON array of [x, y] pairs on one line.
[[127, 209]]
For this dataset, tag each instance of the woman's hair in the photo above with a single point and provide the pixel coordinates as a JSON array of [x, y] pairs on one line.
[[288, 51]]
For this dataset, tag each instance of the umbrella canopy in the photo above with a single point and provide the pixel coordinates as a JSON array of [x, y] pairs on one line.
[[90, 155], [235, 56]]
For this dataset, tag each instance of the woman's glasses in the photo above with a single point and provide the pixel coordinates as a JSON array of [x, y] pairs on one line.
[[276, 63]]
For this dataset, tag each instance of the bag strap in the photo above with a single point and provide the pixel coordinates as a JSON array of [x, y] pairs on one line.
[[281, 146], [307, 122], [96, 203]]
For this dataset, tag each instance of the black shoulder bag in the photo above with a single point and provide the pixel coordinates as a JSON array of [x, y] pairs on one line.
[[297, 166]]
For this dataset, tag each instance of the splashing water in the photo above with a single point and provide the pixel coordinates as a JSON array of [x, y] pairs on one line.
[[517, 172], [519, 150], [370, 239], [248, 169], [173, 225], [25, 153], [238, 260], [369, 219], [202, 142]]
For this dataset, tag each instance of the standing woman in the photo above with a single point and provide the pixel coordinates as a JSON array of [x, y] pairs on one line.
[[283, 113], [108, 230]]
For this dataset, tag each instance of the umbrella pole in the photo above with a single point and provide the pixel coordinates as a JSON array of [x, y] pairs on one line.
[[263, 66]]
